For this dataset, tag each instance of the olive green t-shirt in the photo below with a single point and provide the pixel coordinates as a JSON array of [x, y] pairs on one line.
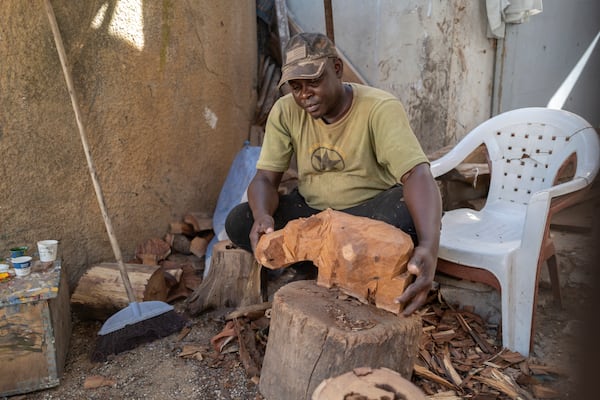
[[343, 164]]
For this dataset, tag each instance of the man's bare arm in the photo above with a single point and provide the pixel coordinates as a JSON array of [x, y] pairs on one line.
[[263, 199], [422, 197]]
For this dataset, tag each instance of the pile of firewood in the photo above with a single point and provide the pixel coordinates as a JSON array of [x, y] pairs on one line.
[[163, 269], [180, 253]]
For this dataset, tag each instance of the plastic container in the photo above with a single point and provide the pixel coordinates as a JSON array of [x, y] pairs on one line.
[[18, 251], [22, 265], [47, 250]]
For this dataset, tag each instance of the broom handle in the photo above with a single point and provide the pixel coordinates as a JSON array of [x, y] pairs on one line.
[[109, 228]]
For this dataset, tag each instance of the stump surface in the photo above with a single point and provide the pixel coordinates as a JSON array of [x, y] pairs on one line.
[[368, 383], [315, 335]]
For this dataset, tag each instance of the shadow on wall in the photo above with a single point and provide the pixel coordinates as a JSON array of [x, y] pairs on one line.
[[140, 71]]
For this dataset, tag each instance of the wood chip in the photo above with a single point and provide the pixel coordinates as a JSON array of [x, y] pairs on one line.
[[427, 374], [482, 343], [183, 333], [450, 371], [195, 351], [252, 312], [443, 336], [96, 381], [504, 384]]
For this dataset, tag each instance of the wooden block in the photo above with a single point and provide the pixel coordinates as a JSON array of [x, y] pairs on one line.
[[181, 228], [179, 243], [198, 246], [35, 326], [314, 335], [364, 257]]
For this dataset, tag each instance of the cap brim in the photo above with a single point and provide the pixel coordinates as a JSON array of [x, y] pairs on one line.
[[302, 70]]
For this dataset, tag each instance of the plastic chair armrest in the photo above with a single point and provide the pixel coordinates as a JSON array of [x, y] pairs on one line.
[[573, 185]]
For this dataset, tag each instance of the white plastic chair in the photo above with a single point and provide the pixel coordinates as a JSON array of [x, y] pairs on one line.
[[528, 150]]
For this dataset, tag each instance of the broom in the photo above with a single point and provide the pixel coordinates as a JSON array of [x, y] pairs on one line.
[[139, 322]]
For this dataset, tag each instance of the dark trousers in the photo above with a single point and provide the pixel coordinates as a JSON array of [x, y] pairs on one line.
[[387, 206]]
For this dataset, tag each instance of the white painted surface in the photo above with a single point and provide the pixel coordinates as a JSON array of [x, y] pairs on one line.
[[433, 55], [540, 54], [436, 57]]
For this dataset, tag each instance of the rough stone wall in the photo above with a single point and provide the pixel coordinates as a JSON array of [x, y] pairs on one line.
[[167, 92]]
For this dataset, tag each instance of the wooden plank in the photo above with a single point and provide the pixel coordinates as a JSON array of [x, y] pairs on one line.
[[283, 29], [25, 348], [60, 313]]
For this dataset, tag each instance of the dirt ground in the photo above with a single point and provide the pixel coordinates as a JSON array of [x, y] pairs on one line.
[[157, 370]]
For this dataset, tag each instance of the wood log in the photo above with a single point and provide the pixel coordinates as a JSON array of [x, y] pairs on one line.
[[179, 243], [181, 228], [366, 258], [152, 251], [368, 383], [198, 246], [100, 292], [233, 280], [200, 221], [315, 335]]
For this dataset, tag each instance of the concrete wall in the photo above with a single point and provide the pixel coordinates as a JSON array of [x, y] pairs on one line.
[[433, 55], [167, 92], [538, 56]]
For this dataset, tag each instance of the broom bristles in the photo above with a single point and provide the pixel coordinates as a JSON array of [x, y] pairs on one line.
[[131, 336]]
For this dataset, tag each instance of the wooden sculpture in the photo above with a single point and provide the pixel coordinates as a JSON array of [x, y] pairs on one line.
[[365, 258]]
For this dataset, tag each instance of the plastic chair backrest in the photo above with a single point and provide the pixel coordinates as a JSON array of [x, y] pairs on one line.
[[528, 146]]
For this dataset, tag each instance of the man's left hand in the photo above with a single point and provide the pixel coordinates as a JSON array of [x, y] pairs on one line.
[[422, 265]]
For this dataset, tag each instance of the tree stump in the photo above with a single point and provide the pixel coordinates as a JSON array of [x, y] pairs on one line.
[[316, 334], [233, 280], [367, 383], [100, 292]]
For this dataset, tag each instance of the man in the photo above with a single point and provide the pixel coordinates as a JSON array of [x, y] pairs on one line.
[[355, 152]]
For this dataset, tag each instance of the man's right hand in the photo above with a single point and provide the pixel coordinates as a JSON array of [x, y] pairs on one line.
[[263, 200], [262, 225]]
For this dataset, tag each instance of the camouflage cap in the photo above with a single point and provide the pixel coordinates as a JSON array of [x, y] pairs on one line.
[[305, 56]]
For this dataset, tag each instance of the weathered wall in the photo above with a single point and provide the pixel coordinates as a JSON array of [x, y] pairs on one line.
[[432, 54], [165, 112], [537, 57]]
